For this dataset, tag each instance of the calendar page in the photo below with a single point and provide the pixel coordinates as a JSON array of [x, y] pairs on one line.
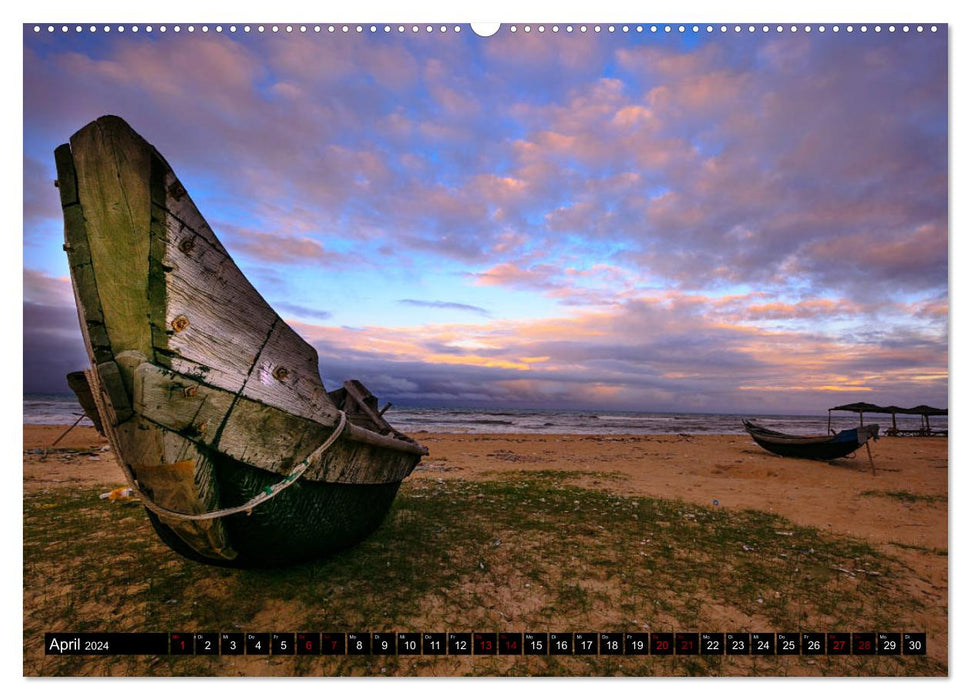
[[519, 349]]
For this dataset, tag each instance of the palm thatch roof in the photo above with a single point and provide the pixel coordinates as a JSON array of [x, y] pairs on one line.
[[860, 407]]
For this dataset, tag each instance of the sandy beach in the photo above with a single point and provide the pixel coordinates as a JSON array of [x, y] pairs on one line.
[[900, 510]]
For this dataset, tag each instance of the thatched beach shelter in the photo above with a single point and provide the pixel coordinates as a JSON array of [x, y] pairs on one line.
[[924, 411]]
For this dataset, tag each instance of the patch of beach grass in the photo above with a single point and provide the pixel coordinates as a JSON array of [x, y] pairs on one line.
[[557, 475], [907, 496], [920, 548], [522, 551]]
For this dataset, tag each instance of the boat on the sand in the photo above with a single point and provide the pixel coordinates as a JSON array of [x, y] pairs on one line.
[[214, 406], [813, 446]]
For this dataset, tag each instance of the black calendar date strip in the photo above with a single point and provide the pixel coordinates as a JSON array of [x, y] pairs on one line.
[[486, 643]]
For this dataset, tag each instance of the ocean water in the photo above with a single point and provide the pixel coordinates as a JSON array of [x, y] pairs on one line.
[[50, 409]]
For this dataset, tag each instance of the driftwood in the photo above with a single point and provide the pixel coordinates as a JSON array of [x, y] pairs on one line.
[[203, 391]]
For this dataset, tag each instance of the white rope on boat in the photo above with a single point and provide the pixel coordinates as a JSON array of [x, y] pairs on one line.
[[265, 495]]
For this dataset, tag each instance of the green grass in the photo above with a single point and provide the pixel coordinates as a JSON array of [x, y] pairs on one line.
[[523, 551]]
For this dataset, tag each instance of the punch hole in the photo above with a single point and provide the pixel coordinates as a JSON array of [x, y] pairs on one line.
[[485, 29]]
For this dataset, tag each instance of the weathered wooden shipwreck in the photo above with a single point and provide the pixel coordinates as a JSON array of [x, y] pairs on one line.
[[213, 405]]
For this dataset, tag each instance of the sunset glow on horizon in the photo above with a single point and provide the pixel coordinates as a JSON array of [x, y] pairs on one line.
[[628, 221]]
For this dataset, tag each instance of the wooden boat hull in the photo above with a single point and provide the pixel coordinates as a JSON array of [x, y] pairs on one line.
[[208, 398], [818, 447], [318, 519]]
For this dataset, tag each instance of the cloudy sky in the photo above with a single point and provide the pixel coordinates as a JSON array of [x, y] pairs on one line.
[[633, 221]]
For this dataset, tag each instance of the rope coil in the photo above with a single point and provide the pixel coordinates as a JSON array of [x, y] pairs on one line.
[[265, 495]]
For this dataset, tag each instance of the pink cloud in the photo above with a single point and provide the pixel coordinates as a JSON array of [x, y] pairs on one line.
[[509, 274], [671, 346], [277, 248], [41, 288]]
